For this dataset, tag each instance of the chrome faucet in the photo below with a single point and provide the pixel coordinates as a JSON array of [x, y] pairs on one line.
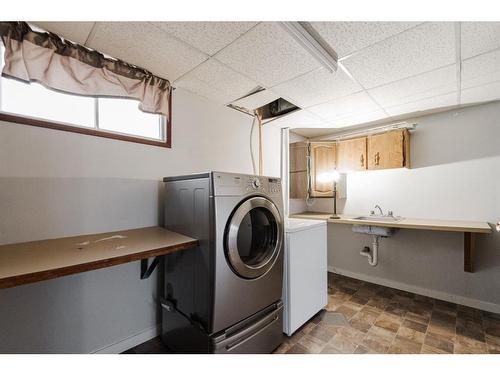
[[380, 209]]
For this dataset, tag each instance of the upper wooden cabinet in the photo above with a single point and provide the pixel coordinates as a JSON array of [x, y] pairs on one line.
[[389, 150], [322, 163], [298, 156], [351, 155]]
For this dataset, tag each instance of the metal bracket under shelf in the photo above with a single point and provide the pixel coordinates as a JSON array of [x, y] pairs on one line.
[[146, 268]]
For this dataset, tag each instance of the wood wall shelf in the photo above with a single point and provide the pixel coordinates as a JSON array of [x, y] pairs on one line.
[[30, 262], [468, 228]]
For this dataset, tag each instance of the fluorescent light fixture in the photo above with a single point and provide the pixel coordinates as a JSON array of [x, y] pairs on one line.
[[313, 43]]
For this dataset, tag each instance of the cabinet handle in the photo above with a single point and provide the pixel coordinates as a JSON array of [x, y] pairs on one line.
[[377, 158], [362, 160]]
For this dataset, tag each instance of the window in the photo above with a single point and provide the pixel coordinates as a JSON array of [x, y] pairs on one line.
[[107, 117]]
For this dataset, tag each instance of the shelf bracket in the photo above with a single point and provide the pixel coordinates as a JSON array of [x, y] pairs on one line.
[[469, 251], [147, 269]]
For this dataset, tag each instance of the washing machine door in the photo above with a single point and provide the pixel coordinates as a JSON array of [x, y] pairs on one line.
[[253, 238]]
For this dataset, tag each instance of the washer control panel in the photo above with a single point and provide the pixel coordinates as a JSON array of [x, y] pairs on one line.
[[236, 184]]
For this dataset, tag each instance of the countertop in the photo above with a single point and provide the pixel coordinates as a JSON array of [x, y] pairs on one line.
[[29, 262], [408, 223]]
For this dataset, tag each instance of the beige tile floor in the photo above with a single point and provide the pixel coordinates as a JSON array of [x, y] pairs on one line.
[[385, 320]]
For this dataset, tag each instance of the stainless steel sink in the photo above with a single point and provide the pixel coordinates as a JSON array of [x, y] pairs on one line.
[[384, 219]]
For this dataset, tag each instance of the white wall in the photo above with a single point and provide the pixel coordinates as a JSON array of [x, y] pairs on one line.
[[55, 184], [455, 175]]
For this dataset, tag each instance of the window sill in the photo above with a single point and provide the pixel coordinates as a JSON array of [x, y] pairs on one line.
[[88, 131]]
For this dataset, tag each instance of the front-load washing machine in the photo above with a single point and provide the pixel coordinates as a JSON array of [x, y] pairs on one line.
[[225, 295]]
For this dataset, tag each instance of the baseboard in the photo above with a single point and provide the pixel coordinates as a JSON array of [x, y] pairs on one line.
[[471, 302], [131, 341]]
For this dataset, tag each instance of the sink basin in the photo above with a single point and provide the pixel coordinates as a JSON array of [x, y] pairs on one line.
[[383, 219], [378, 231]]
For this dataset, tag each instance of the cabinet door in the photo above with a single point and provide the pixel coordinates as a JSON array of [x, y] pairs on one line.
[[298, 185], [298, 156], [351, 155], [388, 150], [322, 164]]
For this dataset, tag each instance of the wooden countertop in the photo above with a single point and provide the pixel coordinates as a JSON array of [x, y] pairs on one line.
[[407, 223], [29, 262]]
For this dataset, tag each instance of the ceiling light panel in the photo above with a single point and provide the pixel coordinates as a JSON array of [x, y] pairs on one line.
[[268, 54], [142, 44], [217, 82], [317, 87], [434, 83], [481, 70], [479, 37], [209, 37], [75, 31], [423, 48], [345, 106], [348, 37]]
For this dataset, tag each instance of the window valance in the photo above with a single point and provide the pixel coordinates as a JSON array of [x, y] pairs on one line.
[[59, 64]]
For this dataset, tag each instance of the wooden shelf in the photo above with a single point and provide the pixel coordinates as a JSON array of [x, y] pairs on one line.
[[30, 262], [468, 228]]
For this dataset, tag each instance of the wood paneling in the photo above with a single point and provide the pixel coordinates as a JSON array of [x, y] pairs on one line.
[[351, 155], [298, 157], [388, 150], [29, 262], [298, 185], [322, 163]]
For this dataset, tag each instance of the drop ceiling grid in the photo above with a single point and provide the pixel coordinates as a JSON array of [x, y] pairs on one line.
[[267, 54], [420, 49], [214, 80], [134, 41], [207, 37], [77, 32], [347, 38]]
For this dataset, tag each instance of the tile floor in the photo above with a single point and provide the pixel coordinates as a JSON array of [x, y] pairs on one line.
[[385, 320]]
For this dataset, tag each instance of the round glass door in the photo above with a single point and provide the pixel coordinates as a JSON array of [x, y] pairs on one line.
[[253, 237]]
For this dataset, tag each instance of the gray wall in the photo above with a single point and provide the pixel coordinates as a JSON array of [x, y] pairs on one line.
[[55, 184], [455, 175]]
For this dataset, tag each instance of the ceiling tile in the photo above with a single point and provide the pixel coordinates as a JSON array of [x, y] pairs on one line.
[[75, 31], [268, 55], [480, 94], [209, 37], [317, 87], [299, 119], [345, 106], [426, 47], [142, 44], [446, 100], [217, 82], [430, 84], [348, 37], [359, 118], [479, 37], [256, 100], [481, 70]]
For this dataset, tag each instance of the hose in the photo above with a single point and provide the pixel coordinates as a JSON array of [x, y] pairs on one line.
[[251, 144]]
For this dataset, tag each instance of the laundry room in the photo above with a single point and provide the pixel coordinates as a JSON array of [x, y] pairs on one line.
[[201, 180]]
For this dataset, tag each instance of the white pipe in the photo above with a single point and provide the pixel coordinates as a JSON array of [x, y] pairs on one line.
[[373, 255]]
